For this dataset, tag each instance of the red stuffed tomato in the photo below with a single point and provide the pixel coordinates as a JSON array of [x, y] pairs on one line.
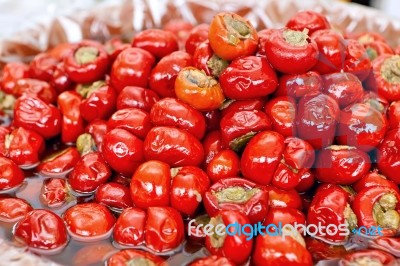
[[134, 120], [114, 195], [298, 85], [282, 111], [136, 97], [129, 228]]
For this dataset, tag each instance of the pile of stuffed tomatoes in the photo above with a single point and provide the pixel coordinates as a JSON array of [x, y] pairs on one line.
[[207, 125]]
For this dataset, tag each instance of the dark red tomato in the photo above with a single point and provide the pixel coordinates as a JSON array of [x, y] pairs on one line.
[[59, 163], [279, 198], [377, 48], [362, 126], [86, 62], [291, 51], [357, 61], [261, 157], [120, 179], [11, 176], [42, 66], [368, 257], [60, 80], [133, 120], [132, 67], [113, 195], [151, 185], [39, 88], [232, 36], [238, 127], [89, 222], [173, 146], [136, 97], [307, 180], [213, 118], [298, 85], [374, 100], [212, 145], [332, 51], [282, 111], [224, 164], [134, 256], [22, 146], [32, 113], [189, 184], [330, 206], [248, 78], [43, 230], [284, 216], [233, 246], [316, 119], [394, 114], [385, 79], [237, 194], [173, 112], [197, 35], [13, 209], [263, 37], [324, 251], [11, 73], [122, 150], [388, 155], [212, 260], [158, 42], [245, 105], [89, 173], [373, 179], [72, 124], [308, 19], [129, 228], [54, 192], [163, 76], [342, 165], [97, 129], [164, 229], [345, 88]]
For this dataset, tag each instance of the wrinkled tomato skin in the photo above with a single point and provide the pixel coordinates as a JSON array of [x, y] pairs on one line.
[[12, 72], [100, 104], [136, 97], [12, 209], [244, 105], [212, 260], [129, 228], [163, 76], [159, 43], [60, 163], [113, 195], [308, 19], [151, 185], [125, 256], [97, 129], [263, 37], [72, 124], [39, 88], [212, 145], [134, 120], [298, 85], [164, 229], [324, 251], [388, 155], [173, 146], [282, 111], [202, 54], [279, 198], [122, 150], [357, 61], [373, 179], [54, 192], [197, 35], [132, 67], [89, 173], [224, 164], [378, 256], [247, 78], [11, 176], [42, 66], [173, 112]]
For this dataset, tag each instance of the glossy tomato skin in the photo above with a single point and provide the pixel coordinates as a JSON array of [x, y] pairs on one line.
[[41, 229], [334, 166], [213, 119], [12, 72], [13, 209], [114, 47], [151, 185], [197, 35], [253, 201], [388, 155], [357, 61], [158, 42], [232, 36], [136, 97], [132, 67], [122, 150], [373, 179], [291, 55], [298, 85], [129, 228], [99, 104], [247, 78], [188, 188], [72, 124], [32, 113], [173, 112], [268, 145], [54, 192], [362, 126], [316, 119], [282, 111], [87, 220], [212, 260], [307, 181], [394, 114], [97, 129], [132, 255], [263, 37], [134, 120], [212, 144], [279, 198], [11, 176], [173, 146], [163, 76], [81, 69], [89, 173], [59, 163], [243, 105], [39, 88], [224, 164], [113, 195], [60, 80], [201, 57], [284, 215], [237, 127], [42, 66], [234, 247], [368, 256], [345, 88], [164, 229], [332, 51], [308, 19]]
